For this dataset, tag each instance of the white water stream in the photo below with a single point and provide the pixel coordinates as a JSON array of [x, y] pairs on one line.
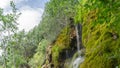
[[79, 59]]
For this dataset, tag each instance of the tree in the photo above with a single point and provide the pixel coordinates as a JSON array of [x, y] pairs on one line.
[[8, 25]]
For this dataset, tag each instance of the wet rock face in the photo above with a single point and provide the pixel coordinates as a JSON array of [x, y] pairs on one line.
[[49, 54], [64, 55], [69, 52], [62, 52], [48, 61]]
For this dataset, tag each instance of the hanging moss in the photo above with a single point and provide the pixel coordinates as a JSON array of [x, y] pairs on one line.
[[100, 34], [61, 43]]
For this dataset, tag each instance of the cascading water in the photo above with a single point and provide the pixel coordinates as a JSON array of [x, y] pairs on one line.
[[78, 39], [79, 59]]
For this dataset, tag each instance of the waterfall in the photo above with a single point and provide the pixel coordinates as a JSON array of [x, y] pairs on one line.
[[79, 59], [78, 39], [77, 62]]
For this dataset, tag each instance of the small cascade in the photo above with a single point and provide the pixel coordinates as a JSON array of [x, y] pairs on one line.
[[77, 62], [79, 59], [78, 39]]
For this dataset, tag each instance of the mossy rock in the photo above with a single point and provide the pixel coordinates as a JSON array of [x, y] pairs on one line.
[[61, 43], [102, 50], [100, 33]]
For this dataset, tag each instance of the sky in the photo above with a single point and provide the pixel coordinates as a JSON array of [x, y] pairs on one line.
[[31, 10]]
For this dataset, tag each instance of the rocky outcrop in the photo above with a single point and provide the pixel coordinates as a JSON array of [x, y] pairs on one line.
[[62, 49]]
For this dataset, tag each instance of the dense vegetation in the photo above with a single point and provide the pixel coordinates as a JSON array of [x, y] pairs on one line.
[[46, 44]]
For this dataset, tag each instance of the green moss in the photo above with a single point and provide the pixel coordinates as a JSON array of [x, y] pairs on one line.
[[102, 50], [63, 39], [100, 33], [61, 43], [55, 55]]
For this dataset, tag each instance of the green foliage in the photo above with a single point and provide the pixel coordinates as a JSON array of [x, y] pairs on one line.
[[100, 34], [39, 56], [55, 53], [56, 16], [8, 21], [100, 21], [62, 42], [8, 25]]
